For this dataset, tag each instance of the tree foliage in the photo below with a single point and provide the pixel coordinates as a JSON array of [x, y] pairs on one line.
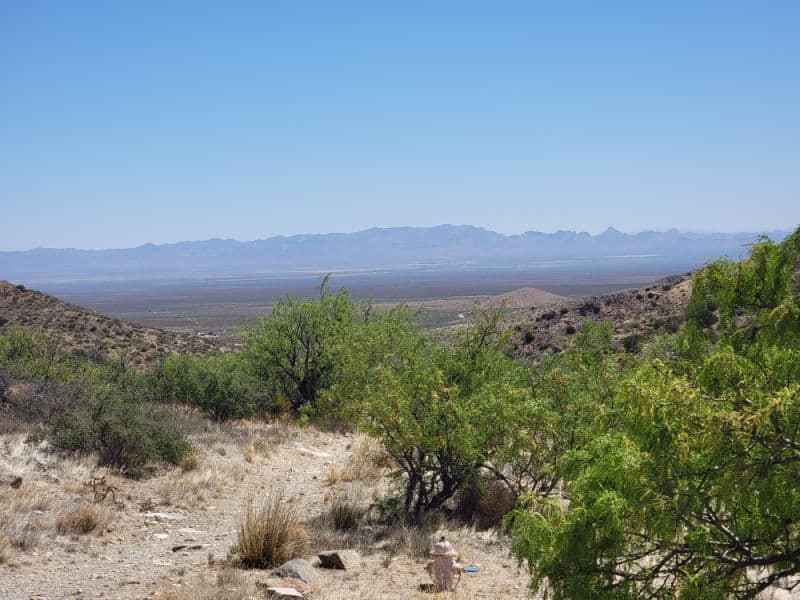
[[298, 347], [684, 482], [444, 410], [219, 384]]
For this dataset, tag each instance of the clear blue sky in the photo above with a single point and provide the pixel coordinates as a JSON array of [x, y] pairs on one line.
[[130, 122]]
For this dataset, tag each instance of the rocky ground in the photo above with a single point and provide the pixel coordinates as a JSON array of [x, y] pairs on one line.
[[87, 331], [636, 314], [169, 536]]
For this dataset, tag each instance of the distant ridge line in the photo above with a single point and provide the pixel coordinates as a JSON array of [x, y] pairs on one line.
[[392, 248]]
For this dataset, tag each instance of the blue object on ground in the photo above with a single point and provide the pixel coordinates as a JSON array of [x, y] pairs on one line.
[[471, 569]]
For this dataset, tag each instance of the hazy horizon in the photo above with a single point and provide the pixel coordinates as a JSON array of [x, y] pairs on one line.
[[439, 225]]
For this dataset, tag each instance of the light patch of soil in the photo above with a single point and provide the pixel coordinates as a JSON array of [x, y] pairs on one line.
[[133, 557]]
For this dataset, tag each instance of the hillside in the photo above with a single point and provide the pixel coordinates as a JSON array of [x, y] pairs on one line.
[[90, 332], [636, 314]]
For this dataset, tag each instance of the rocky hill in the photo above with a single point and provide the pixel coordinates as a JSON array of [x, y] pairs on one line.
[[636, 314], [88, 331]]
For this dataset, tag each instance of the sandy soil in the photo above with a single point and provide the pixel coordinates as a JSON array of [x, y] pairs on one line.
[[132, 554]]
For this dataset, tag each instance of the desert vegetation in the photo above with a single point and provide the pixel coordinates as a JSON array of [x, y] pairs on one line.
[[648, 466]]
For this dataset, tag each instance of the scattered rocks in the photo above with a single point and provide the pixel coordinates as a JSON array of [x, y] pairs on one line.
[[283, 593], [192, 547], [297, 569], [159, 516], [348, 560]]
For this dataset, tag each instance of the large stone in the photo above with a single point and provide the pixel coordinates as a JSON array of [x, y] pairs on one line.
[[297, 569], [283, 593], [349, 560]]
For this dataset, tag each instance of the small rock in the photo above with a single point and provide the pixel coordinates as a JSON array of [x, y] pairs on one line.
[[16, 483], [349, 560], [165, 516], [297, 569], [283, 593]]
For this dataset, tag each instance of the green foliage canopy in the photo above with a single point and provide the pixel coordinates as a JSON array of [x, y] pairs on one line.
[[685, 480]]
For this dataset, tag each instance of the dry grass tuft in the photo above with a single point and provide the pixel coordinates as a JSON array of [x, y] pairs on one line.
[[366, 463], [5, 546], [412, 541], [82, 520], [249, 452], [346, 512], [229, 585], [191, 461], [188, 489], [485, 503], [21, 515], [269, 534]]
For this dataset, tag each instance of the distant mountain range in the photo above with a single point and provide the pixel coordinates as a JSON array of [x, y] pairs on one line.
[[396, 248]]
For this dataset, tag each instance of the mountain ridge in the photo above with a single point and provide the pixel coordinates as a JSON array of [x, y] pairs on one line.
[[442, 246]]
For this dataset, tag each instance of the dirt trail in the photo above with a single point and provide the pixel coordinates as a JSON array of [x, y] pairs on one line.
[[199, 509]]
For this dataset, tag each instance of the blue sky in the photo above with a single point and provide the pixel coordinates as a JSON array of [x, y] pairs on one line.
[[126, 123]]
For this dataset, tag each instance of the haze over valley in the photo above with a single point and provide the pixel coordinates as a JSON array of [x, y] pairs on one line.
[[217, 285]]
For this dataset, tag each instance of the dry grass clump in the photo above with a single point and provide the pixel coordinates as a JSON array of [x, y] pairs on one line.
[[257, 446], [485, 503], [82, 520], [346, 512], [414, 541], [22, 513], [366, 463], [269, 534], [228, 585], [5, 546], [191, 488], [191, 461]]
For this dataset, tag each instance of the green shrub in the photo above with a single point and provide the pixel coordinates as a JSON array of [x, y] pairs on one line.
[[124, 433], [298, 348], [219, 384], [444, 411]]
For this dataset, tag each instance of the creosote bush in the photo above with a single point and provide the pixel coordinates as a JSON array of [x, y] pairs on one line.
[[269, 534]]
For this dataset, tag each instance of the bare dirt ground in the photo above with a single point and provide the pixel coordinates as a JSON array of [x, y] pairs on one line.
[[168, 536]]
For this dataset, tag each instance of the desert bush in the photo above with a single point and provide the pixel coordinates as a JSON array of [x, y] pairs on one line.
[[632, 343], [81, 520], [298, 347], [444, 411], [485, 502], [590, 307], [219, 384], [123, 433], [680, 475], [40, 401], [269, 534]]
